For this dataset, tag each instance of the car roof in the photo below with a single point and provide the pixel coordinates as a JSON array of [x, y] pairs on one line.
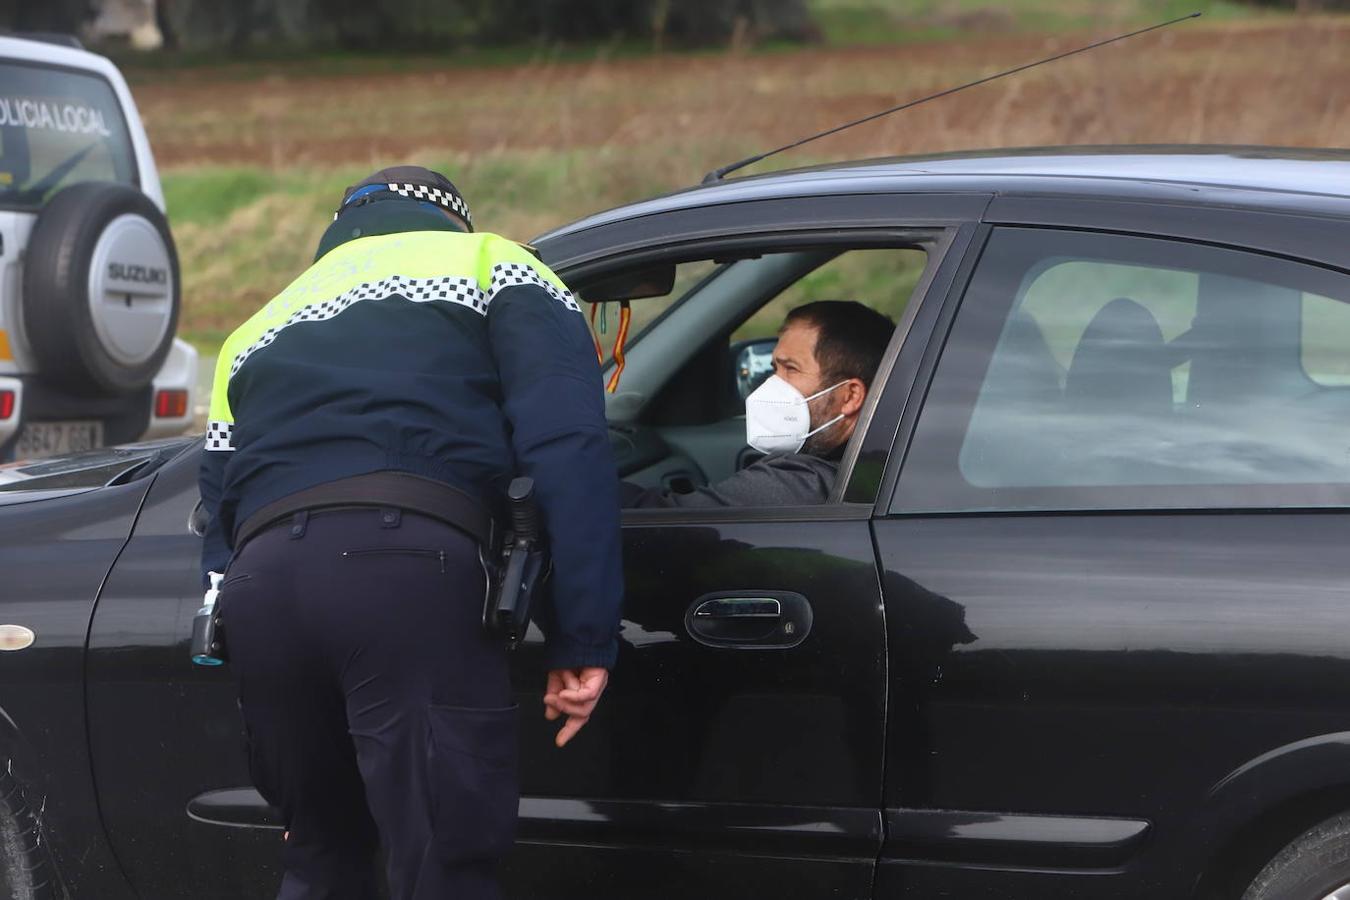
[[1271, 177], [45, 51]]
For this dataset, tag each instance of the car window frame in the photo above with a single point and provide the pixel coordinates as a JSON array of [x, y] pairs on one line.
[[890, 501], [936, 247], [123, 121], [794, 223]]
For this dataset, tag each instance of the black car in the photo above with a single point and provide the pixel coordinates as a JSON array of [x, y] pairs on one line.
[[1076, 622]]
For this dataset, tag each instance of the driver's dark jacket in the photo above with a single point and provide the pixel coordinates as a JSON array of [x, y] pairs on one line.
[[796, 479], [452, 356]]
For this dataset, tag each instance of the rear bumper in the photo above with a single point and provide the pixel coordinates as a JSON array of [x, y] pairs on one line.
[[9, 427], [125, 418], [179, 373]]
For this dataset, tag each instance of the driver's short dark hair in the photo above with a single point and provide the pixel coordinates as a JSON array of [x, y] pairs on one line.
[[850, 338]]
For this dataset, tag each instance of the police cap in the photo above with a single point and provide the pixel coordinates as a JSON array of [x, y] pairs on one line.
[[412, 182]]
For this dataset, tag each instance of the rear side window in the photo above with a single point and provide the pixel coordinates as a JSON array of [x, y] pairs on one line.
[[1326, 340], [1107, 372], [57, 127]]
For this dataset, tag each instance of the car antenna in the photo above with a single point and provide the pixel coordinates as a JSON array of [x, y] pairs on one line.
[[717, 174]]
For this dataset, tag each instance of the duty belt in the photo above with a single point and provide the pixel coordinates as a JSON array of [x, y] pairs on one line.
[[412, 493]]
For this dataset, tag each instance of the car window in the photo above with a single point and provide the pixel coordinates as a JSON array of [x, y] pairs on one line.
[[1325, 344], [57, 128], [883, 279], [1096, 371], [880, 278], [718, 346], [647, 310]]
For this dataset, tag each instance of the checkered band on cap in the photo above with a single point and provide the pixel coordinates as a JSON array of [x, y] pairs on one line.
[[445, 199], [219, 435]]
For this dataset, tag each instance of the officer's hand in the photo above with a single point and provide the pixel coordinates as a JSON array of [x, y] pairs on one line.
[[573, 693]]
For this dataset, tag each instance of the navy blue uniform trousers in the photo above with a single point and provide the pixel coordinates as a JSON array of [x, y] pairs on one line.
[[375, 708]]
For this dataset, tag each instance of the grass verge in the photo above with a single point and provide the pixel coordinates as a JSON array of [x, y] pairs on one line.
[[252, 171]]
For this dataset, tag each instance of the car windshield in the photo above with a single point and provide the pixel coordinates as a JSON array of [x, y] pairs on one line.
[[91, 468], [56, 128]]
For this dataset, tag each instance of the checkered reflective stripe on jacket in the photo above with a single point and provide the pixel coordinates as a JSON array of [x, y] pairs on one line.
[[447, 289], [505, 275], [435, 195], [219, 436], [461, 291]]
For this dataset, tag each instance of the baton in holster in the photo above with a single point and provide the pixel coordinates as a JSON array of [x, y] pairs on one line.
[[524, 566]]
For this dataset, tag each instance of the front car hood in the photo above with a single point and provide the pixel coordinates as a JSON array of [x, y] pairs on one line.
[[17, 498], [59, 476]]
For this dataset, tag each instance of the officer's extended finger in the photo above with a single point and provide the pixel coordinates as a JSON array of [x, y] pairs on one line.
[[569, 730]]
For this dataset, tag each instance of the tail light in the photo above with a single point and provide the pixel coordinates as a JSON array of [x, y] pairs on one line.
[[169, 404], [7, 401]]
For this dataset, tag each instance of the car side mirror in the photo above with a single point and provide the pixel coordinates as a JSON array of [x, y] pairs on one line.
[[752, 363]]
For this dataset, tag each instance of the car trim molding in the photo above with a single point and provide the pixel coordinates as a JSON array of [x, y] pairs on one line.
[[1295, 233], [817, 831], [1007, 840]]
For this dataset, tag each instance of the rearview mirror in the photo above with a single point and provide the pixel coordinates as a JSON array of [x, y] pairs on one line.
[[634, 284], [753, 363]]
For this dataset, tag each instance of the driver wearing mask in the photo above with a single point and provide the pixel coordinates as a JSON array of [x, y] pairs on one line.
[[802, 416]]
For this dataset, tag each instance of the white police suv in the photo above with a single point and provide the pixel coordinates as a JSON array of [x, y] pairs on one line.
[[89, 284]]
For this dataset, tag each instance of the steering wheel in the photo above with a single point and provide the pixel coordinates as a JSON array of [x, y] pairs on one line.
[[636, 447], [641, 449]]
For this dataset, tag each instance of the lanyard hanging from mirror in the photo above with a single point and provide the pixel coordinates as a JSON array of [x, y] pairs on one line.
[[620, 338]]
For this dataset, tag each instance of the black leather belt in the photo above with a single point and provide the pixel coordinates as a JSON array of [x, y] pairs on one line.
[[412, 493]]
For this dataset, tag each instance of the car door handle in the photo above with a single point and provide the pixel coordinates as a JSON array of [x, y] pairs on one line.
[[740, 608], [750, 620]]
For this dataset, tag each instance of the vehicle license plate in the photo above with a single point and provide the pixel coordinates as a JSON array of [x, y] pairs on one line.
[[38, 439]]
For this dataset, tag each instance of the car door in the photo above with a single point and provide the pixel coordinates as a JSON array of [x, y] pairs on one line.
[[1114, 570], [165, 735], [59, 535], [739, 746]]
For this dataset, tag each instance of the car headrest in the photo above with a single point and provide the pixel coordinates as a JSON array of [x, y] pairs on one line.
[[1121, 361]]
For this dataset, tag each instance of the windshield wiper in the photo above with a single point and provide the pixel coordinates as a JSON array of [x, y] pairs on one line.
[[56, 175]]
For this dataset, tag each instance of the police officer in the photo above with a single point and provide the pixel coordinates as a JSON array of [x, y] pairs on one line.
[[364, 425]]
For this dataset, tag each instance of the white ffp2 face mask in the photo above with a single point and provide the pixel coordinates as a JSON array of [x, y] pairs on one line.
[[777, 418]]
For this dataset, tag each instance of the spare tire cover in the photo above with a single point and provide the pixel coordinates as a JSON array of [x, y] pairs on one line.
[[100, 289]]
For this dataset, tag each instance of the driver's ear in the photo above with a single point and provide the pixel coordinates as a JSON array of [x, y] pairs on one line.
[[855, 392]]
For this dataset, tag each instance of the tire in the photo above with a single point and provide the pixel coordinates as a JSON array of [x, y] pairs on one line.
[[26, 871], [1314, 866], [100, 289]]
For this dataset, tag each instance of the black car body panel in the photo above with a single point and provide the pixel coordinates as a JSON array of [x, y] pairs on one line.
[[1148, 666], [140, 683], [748, 759], [54, 556], [1091, 702]]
